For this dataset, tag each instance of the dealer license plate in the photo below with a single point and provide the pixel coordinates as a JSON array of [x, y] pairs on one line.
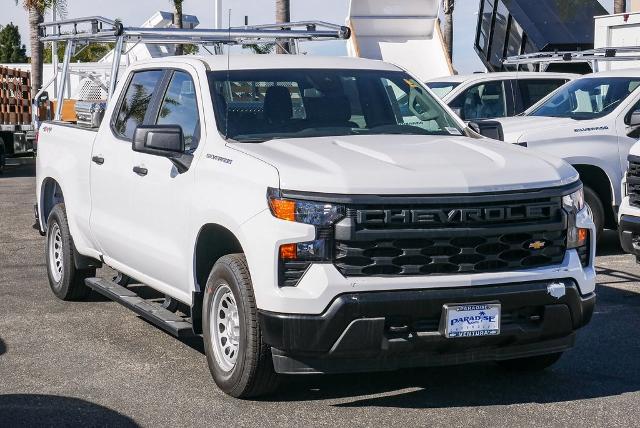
[[470, 320]]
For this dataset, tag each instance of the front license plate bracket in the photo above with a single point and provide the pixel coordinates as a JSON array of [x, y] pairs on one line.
[[470, 319]]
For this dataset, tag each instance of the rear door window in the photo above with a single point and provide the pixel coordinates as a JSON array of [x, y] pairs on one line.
[[533, 90], [135, 103]]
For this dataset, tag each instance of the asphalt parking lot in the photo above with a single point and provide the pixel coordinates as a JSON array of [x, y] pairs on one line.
[[95, 363]]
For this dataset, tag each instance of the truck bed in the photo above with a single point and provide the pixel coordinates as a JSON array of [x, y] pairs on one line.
[[64, 155]]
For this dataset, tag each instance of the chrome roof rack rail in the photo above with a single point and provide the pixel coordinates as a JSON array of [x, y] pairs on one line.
[[99, 29]]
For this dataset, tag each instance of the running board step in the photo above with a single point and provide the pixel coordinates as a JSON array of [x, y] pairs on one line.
[[151, 311]]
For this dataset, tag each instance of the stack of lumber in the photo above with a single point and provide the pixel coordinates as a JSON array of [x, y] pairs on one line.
[[15, 97]]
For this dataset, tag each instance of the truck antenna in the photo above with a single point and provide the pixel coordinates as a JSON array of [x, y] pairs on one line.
[[228, 84]]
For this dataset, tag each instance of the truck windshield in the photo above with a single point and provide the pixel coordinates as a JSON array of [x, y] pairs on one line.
[[261, 105], [442, 88], [587, 98]]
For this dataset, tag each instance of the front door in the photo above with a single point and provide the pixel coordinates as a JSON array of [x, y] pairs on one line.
[[162, 196]]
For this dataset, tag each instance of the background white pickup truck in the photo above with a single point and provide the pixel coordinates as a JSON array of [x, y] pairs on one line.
[[590, 122], [305, 217], [629, 213], [492, 95]]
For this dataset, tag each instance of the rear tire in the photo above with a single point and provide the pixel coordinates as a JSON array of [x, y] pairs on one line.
[[597, 209], [239, 361], [531, 364], [66, 282]]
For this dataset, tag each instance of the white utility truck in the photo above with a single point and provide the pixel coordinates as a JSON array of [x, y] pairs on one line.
[[591, 122], [292, 215]]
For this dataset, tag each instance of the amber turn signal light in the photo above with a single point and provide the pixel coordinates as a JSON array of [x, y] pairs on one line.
[[288, 252], [582, 236], [283, 209]]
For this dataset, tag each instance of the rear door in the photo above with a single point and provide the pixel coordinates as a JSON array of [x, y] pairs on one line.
[[111, 163]]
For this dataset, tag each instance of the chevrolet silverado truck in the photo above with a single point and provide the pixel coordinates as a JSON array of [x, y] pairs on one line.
[[491, 95], [591, 122], [296, 217]]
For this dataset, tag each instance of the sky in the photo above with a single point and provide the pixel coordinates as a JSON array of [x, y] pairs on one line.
[[135, 12]]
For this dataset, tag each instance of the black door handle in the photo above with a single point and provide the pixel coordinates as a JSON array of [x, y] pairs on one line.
[[140, 170], [98, 160]]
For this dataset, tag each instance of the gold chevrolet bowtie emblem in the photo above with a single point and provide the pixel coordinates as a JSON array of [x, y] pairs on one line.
[[537, 245]]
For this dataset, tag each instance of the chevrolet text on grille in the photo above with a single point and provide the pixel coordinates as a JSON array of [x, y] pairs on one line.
[[456, 215]]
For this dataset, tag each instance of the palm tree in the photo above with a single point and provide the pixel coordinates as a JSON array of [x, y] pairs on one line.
[[447, 6], [177, 21], [36, 10], [283, 15], [619, 6]]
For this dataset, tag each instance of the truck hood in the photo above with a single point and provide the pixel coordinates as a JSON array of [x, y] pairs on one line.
[[517, 128], [407, 164]]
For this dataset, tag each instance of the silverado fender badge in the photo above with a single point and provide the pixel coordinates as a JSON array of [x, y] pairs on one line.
[[219, 158]]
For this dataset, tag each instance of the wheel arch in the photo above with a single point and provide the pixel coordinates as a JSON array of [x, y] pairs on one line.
[[597, 179], [51, 195], [213, 241]]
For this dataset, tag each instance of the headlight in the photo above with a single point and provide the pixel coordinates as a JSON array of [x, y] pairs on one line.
[[572, 204], [574, 201], [294, 258], [315, 213]]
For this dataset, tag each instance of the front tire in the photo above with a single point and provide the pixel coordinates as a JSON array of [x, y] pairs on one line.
[[66, 282], [531, 364], [239, 361], [597, 210]]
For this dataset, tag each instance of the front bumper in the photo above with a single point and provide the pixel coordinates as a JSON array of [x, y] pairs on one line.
[[321, 283], [629, 230], [387, 330]]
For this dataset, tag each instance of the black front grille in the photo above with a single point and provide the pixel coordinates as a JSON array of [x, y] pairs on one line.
[[633, 181], [483, 233], [479, 252]]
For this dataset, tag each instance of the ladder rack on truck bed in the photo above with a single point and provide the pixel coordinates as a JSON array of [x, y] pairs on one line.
[[97, 29], [591, 56]]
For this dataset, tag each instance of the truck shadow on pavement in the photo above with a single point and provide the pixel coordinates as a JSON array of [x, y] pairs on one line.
[[603, 363], [16, 171], [3, 347], [609, 244], [28, 410]]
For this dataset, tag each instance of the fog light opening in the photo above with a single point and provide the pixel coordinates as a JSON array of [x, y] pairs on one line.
[[557, 289]]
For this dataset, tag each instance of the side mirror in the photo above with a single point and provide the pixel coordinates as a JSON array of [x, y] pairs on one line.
[[163, 140], [474, 127], [634, 119]]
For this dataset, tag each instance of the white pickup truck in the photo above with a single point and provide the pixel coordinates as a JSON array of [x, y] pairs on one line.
[[629, 213], [293, 216], [591, 122]]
